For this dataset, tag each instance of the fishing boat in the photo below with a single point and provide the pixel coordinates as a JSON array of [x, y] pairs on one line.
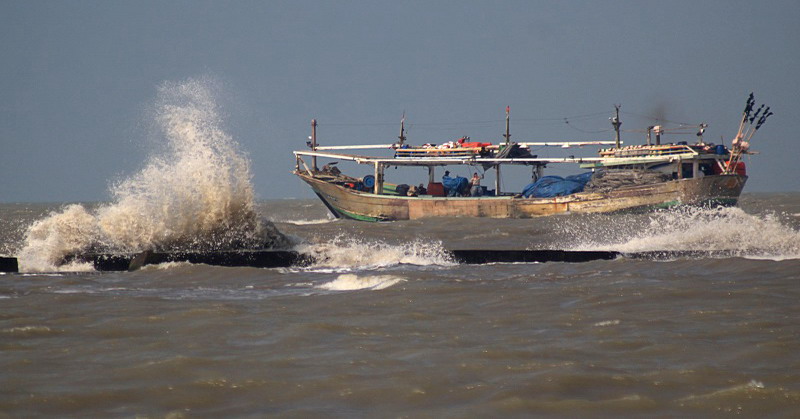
[[621, 178]]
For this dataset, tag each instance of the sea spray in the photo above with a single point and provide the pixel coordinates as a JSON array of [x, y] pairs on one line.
[[346, 253], [48, 240], [193, 193], [729, 230]]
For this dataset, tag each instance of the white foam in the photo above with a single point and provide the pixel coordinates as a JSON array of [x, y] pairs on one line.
[[351, 282], [344, 253], [165, 266], [750, 387], [27, 330], [607, 323], [309, 222], [729, 230], [194, 192]]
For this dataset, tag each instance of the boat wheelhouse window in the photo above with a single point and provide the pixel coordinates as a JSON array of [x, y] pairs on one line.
[[687, 171], [703, 169]]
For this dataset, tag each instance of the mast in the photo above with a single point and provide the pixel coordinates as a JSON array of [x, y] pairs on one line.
[[658, 130], [507, 135], [314, 143], [616, 123], [378, 178], [402, 136], [700, 132], [497, 181]]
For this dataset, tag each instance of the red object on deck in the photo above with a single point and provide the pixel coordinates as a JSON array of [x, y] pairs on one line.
[[435, 189], [475, 145], [739, 169]]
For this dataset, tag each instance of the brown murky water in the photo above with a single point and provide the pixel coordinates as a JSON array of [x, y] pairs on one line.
[[388, 327]]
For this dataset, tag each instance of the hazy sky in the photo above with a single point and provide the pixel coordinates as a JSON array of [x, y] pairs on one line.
[[77, 77]]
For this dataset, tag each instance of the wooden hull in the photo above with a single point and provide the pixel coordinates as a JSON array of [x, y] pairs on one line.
[[348, 203]]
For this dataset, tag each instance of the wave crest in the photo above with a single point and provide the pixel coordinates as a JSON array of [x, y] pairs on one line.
[[724, 229], [349, 253]]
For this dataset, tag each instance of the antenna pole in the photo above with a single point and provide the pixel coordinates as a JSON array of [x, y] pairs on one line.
[[314, 143], [507, 135], [402, 136], [616, 123]]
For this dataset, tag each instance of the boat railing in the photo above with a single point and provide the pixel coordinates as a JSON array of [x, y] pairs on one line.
[[644, 150], [357, 147], [443, 161], [437, 152]]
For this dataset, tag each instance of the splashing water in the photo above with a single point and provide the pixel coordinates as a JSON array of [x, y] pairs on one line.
[[344, 253], [352, 282], [724, 229], [194, 194]]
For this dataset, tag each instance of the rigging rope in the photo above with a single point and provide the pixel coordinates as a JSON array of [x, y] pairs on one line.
[[583, 130], [568, 120], [657, 119], [458, 124]]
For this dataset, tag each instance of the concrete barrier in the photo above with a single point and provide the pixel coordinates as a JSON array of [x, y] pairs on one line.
[[250, 258], [289, 258], [529, 256], [9, 264]]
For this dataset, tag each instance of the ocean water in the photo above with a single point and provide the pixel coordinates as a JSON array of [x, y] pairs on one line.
[[387, 326], [384, 324]]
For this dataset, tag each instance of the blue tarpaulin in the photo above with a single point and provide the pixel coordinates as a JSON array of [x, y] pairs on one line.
[[550, 186], [454, 185]]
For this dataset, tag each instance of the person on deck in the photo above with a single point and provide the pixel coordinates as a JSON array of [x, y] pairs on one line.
[[475, 183]]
